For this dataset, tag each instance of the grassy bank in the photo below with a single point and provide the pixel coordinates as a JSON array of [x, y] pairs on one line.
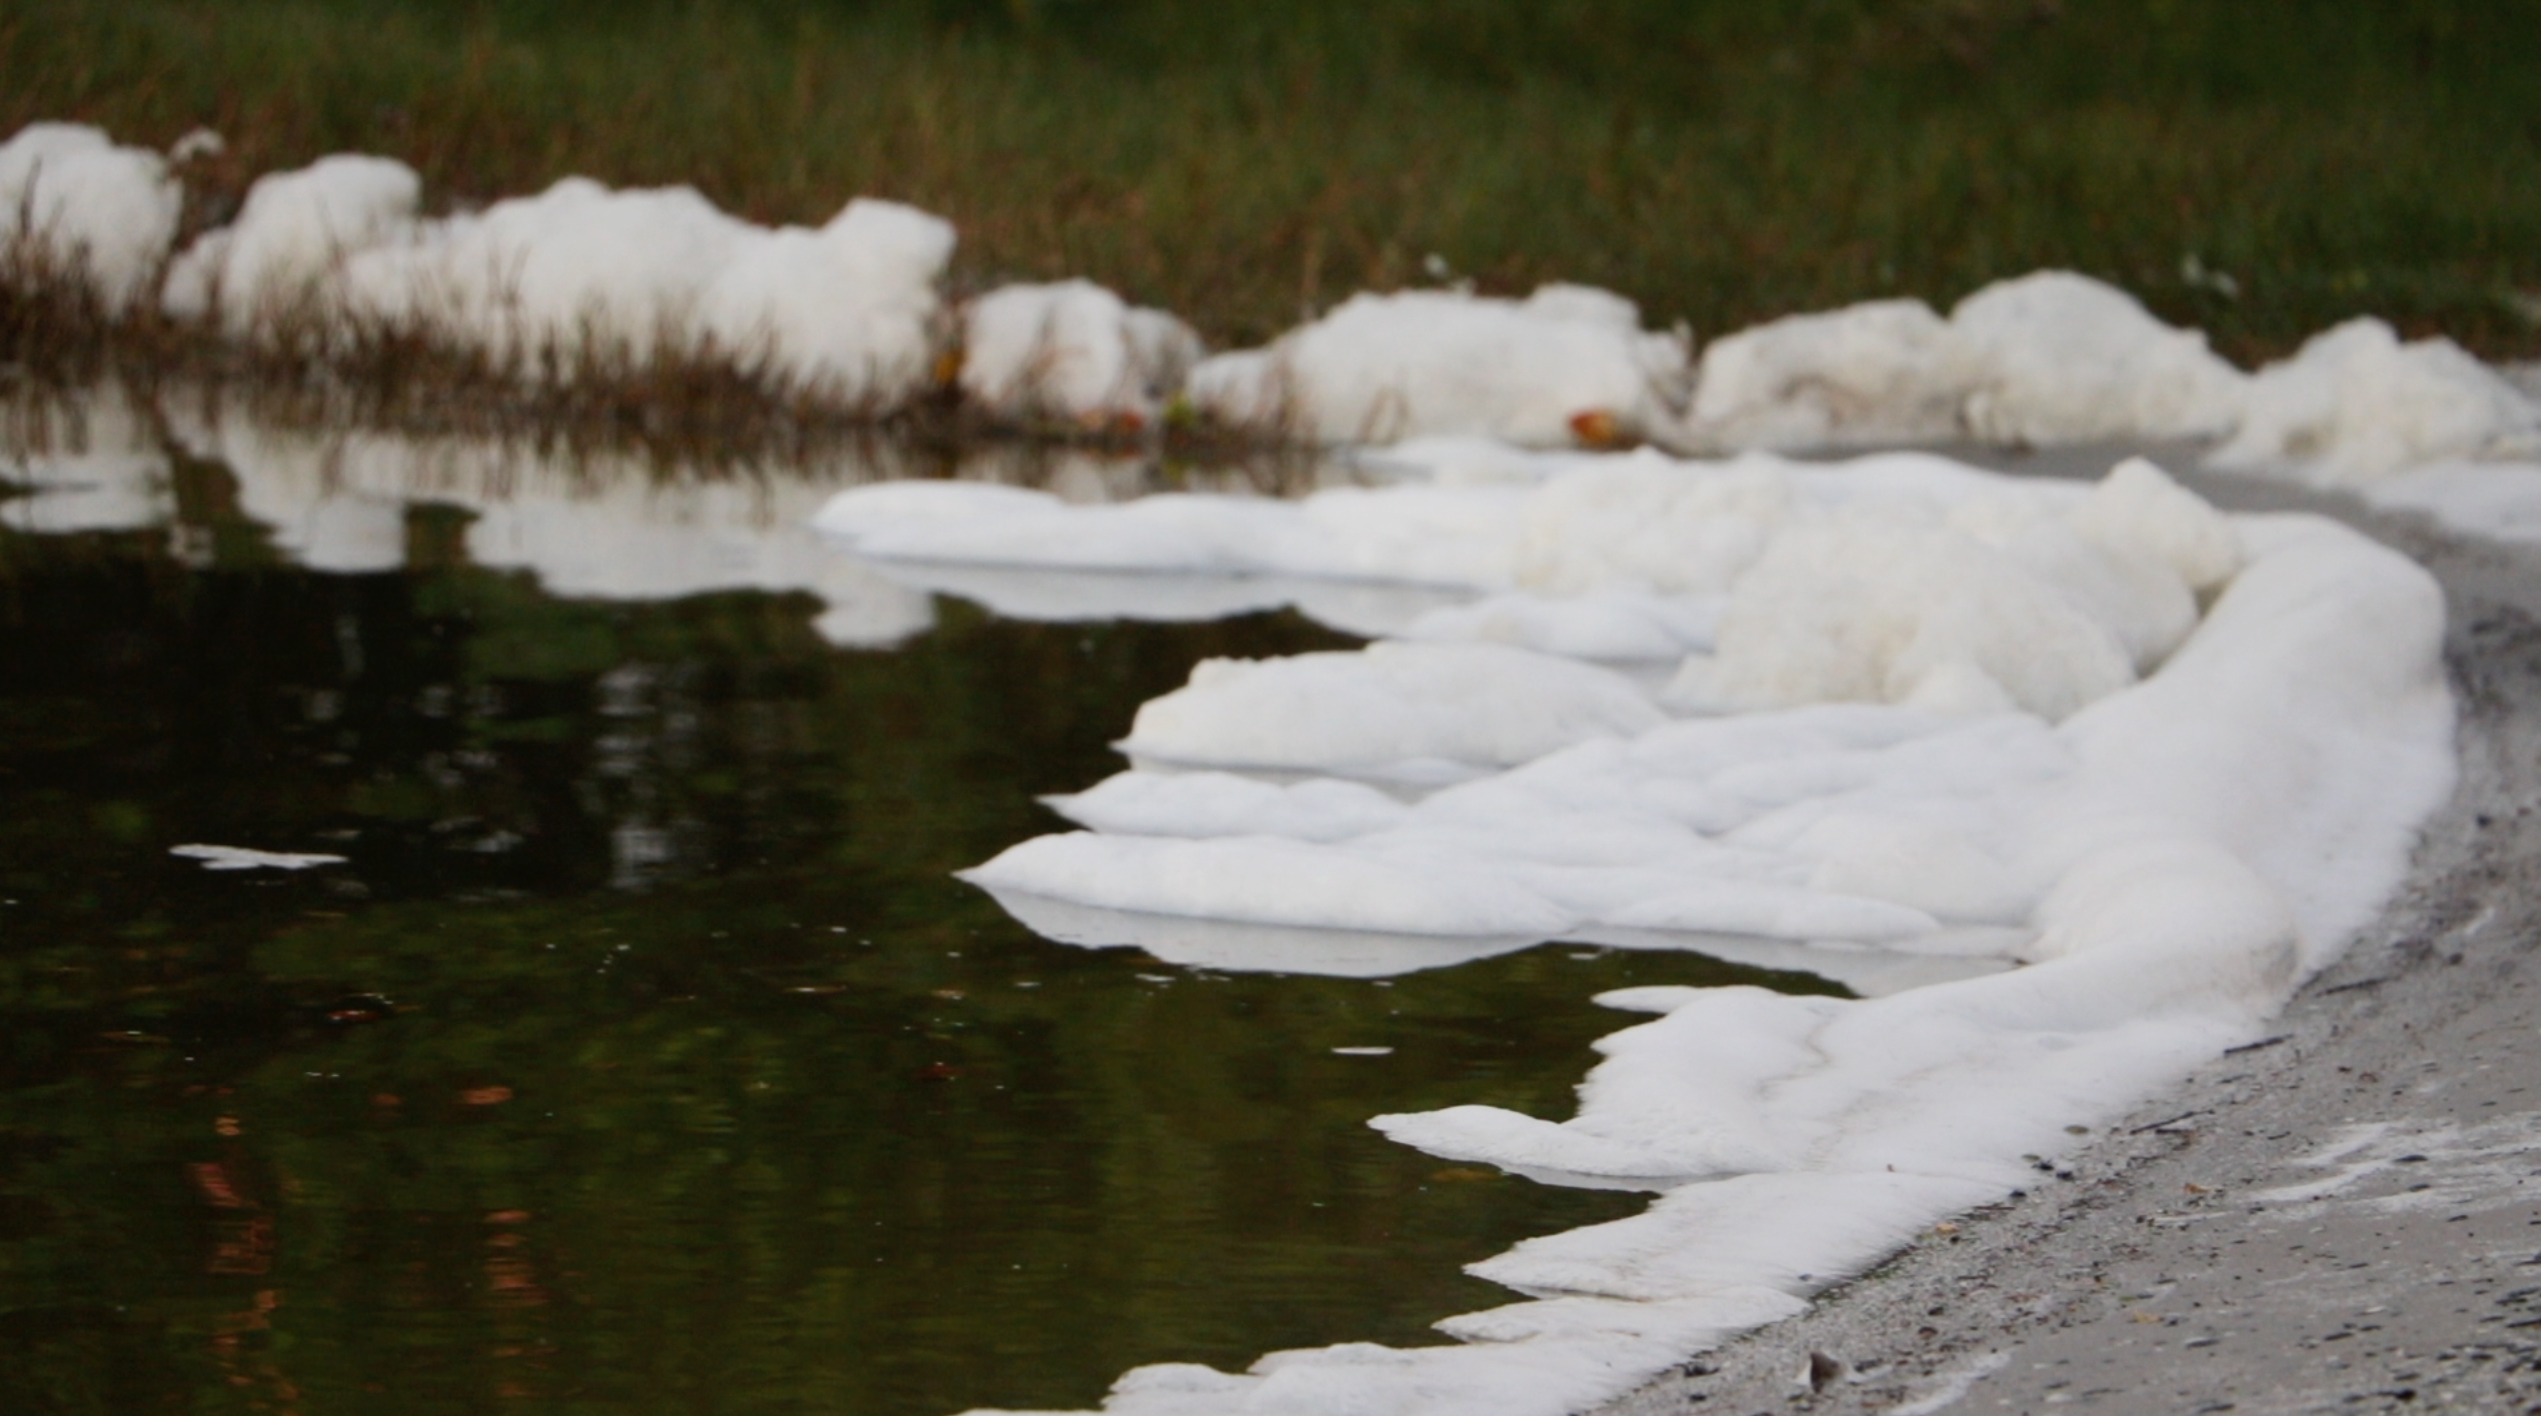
[[1721, 162]]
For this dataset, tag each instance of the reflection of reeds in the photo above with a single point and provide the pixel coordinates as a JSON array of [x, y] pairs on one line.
[[47, 418], [50, 315]]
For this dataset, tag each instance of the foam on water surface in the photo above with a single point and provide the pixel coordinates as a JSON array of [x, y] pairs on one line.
[[2134, 767]]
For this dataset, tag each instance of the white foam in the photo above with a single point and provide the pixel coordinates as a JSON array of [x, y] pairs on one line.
[[1072, 351], [73, 199], [1380, 368], [2356, 405], [197, 145], [2055, 357], [277, 263], [580, 279], [2164, 861], [1242, 947], [2051, 357], [2498, 501], [1219, 804], [1391, 709], [1608, 625], [245, 858], [2068, 359], [1952, 588], [1883, 371]]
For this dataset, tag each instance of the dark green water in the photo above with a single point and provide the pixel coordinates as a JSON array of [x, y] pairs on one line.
[[643, 1057]]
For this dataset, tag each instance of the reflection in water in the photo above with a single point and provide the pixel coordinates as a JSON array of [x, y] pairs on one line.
[[643, 1056], [607, 526], [91, 464], [1245, 947]]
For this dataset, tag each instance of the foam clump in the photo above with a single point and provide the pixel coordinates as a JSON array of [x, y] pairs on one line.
[[71, 202], [1998, 604], [1568, 364], [279, 264], [2356, 405], [1072, 352], [2051, 357], [1882, 371], [579, 279], [2068, 359]]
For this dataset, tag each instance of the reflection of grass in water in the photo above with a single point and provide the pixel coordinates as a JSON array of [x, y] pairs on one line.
[[1721, 161], [600, 438]]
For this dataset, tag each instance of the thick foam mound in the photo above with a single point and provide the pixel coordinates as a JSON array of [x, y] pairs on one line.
[[1885, 371], [2051, 357], [2152, 822], [2356, 405], [279, 263], [1999, 604], [580, 279], [1072, 351], [2067, 359], [73, 202], [1567, 364]]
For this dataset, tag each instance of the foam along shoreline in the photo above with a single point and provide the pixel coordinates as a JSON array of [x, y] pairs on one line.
[[583, 282], [2169, 830], [2288, 1230]]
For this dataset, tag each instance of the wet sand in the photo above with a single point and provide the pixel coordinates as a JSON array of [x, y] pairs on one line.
[[2343, 1217]]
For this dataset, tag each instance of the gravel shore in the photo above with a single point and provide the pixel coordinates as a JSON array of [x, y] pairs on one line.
[[2344, 1217]]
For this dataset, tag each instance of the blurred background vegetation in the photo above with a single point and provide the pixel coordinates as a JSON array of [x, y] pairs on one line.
[[1720, 160]]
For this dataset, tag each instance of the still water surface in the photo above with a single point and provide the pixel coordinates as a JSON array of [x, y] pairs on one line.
[[643, 1056]]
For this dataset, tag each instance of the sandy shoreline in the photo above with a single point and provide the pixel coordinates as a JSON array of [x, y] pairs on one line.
[[2174, 1263]]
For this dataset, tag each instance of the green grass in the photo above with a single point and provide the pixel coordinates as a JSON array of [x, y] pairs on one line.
[[1722, 161]]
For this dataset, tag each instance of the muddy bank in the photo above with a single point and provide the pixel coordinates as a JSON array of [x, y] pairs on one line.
[[2344, 1216]]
